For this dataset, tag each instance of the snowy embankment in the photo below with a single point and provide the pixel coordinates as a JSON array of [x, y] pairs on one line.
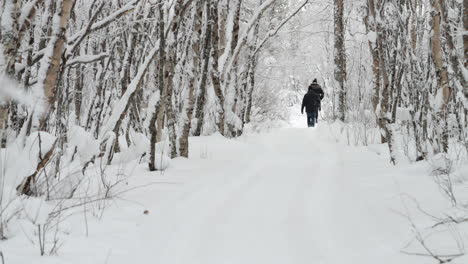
[[293, 195]]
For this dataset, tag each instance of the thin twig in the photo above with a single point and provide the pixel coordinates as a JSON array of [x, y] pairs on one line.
[[273, 33]]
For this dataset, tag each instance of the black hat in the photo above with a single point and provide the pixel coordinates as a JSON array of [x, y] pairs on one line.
[[314, 81]]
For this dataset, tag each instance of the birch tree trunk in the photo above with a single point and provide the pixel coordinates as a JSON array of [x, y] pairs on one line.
[[442, 74], [78, 94], [340, 58], [202, 91], [465, 37], [171, 61], [374, 38], [385, 109], [437, 53], [456, 74], [215, 74], [378, 46], [230, 76], [157, 117], [250, 89], [465, 40], [53, 63], [234, 75], [195, 50], [250, 81], [223, 15]]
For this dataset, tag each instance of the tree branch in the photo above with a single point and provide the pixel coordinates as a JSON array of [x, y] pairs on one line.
[[284, 22]]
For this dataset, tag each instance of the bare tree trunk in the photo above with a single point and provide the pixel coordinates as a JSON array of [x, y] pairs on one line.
[[465, 40], [127, 61], [57, 44], [451, 48], [465, 27], [156, 122], [202, 91], [437, 53], [441, 71], [3, 124], [171, 62], [250, 91], [78, 95], [340, 58], [383, 89], [225, 4], [165, 109], [190, 102], [250, 85], [215, 75], [231, 76], [414, 24], [371, 26], [236, 26], [383, 118]]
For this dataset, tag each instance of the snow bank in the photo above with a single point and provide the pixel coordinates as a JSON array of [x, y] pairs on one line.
[[84, 142], [138, 147], [21, 160]]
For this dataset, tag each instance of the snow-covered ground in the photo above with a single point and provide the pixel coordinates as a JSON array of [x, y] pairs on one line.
[[291, 195]]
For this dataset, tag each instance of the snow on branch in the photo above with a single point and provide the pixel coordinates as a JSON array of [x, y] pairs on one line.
[[272, 33], [243, 39], [87, 30], [122, 104], [106, 21], [27, 12], [87, 59], [175, 19]]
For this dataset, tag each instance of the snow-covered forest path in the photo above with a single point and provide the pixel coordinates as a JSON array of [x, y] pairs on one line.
[[290, 196], [270, 207]]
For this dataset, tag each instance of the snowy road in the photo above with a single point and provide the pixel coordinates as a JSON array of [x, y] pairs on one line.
[[266, 209], [290, 196]]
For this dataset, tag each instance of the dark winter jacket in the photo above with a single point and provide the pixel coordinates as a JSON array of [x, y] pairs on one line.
[[311, 101], [318, 89]]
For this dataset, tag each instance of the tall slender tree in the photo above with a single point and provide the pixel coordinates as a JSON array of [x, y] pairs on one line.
[[340, 58]]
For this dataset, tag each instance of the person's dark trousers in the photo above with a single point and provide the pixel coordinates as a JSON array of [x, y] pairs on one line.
[[311, 118]]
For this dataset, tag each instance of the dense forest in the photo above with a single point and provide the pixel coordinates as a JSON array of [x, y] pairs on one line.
[[87, 84]]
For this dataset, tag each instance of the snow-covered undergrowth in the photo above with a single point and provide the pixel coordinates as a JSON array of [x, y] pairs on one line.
[[36, 207]]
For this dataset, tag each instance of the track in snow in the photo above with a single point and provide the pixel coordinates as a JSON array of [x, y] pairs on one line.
[[267, 211], [282, 197]]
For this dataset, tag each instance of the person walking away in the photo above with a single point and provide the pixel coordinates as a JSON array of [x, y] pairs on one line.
[[311, 103], [318, 89]]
